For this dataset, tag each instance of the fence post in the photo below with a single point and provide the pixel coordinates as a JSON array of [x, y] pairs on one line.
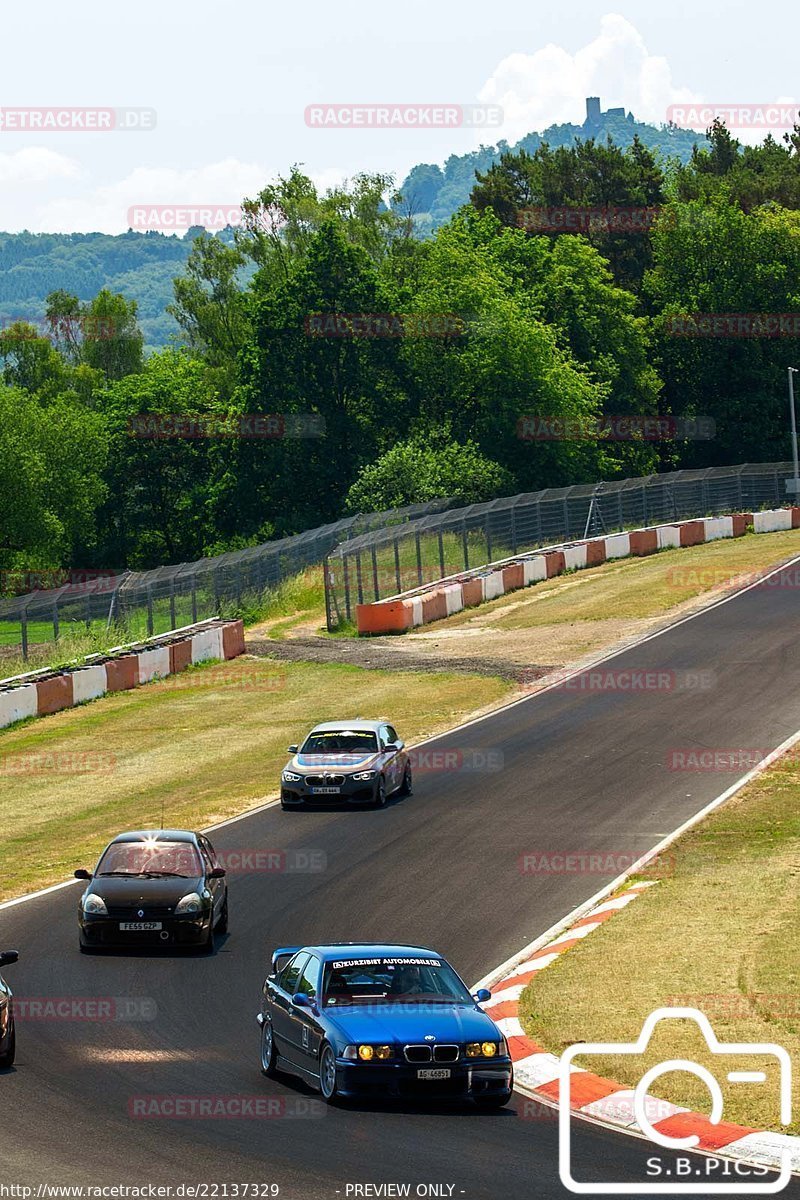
[[346, 573], [172, 620], [23, 631], [358, 578], [419, 557], [328, 614], [441, 554], [488, 527], [194, 599], [55, 621], [513, 529], [397, 564], [465, 543], [375, 572], [150, 609]]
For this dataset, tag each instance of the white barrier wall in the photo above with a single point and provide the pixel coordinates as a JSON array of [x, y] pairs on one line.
[[772, 520], [575, 557], [618, 545], [207, 644], [493, 585], [416, 610], [88, 684], [535, 569], [454, 598], [18, 703], [669, 537], [722, 527], [154, 664]]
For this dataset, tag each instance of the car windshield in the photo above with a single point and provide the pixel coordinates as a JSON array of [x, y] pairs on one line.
[[392, 980], [151, 858], [346, 741]]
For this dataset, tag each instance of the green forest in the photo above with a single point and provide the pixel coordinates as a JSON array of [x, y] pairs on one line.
[[335, 360]]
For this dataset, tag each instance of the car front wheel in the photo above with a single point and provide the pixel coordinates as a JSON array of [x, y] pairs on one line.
[[327, 1074], [380, 795], [7, 1058]]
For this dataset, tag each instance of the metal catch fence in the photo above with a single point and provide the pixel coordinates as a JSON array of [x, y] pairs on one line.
[[385, 562]]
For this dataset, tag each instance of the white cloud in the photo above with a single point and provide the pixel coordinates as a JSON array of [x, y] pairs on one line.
[[35, 164], [550, 85], [105, 208]]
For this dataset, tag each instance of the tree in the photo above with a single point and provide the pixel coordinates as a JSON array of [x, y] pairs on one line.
[[51, 460], [112, 340], [427, 467]]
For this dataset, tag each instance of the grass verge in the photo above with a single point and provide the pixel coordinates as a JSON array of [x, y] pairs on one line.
[[720, 934], [188, 751]]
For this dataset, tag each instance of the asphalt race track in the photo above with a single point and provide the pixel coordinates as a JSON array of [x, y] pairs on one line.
[[581, 770]]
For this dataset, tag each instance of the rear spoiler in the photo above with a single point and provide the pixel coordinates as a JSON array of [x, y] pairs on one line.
[[282, 952]]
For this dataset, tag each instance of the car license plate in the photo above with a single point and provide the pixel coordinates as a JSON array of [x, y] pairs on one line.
[[434, 1073], [325, 791], [139, 926]]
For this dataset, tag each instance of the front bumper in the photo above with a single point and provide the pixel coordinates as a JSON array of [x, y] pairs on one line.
[[468, 1080], [188, 930], [350, 792]]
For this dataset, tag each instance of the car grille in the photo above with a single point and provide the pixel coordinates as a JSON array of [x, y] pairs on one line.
[[324, 780], [418, 1054], [152, 912], [445, 1054]]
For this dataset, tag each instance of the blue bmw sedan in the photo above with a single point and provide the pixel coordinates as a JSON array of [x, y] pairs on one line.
[[381, 1021]]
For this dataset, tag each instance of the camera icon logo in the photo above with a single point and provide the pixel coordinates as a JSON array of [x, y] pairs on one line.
[[645, 1107]]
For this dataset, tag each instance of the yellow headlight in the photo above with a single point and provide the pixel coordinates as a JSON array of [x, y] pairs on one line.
[[383, 1052], [489, 1049], [473, 1050], [365, 1052]]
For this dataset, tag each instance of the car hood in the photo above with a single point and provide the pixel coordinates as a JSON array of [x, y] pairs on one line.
[[121, 892], [407, 1023], [334, 762]]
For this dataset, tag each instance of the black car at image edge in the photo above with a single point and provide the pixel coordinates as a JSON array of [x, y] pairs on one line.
[[8, 1035]]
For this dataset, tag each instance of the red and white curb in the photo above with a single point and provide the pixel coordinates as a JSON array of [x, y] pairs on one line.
[[536, 1072]]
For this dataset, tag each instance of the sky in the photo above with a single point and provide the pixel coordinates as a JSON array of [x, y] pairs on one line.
[[228, 93]]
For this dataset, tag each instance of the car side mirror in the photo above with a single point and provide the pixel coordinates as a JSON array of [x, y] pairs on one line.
[[482, 995], [400, 744], [9, 957], [291, 749], [83, 874], [301, 1000], [217, 873]]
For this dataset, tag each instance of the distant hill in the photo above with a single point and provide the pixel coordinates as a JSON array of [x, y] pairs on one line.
[[139, 265], [142, 265], [431, 194]]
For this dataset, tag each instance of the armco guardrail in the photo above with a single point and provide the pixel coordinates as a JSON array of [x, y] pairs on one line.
[[444, 597], [387, 562], [42, 693]]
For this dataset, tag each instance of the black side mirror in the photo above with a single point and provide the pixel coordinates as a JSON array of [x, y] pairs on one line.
[[217, 873], [291, 749], [8, 958], [82, 874]]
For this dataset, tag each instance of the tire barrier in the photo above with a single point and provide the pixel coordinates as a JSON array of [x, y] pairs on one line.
[[444, 597], [42, 693]]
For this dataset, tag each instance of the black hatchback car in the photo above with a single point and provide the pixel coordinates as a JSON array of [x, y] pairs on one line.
[[358, 762], [154, 887], [8, 1036]]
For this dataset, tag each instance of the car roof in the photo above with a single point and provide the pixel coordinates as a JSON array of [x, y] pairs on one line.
[[156, 835], [336, 950], [358, 726]]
